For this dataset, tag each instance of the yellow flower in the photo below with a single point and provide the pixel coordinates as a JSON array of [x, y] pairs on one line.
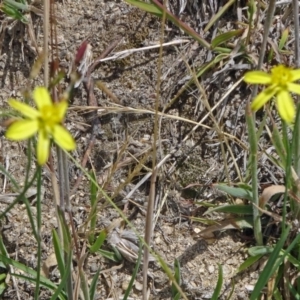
[[281, 84], [46, 120]]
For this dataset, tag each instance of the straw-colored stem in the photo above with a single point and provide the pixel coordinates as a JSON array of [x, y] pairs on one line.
[[150, 214]]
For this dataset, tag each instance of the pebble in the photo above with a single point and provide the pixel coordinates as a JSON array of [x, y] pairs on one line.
[[94, 267], [138, 286], [211, 269]]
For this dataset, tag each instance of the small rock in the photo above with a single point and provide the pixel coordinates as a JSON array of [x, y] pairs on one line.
[[157, 241], [211, 269], [94, 267], [138, 286], [125, 284]]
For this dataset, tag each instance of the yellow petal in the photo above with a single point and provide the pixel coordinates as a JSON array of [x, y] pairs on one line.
[[294, 88], [295, 74], [286, 107], [41, 97], [257, 77], [24, 109], [262, 98], [61, 109], [22, 130], [63, 138], [43, 147]]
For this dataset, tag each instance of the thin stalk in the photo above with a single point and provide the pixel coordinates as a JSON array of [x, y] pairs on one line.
[[46, 40], [63, 178], [149, 218], [253, 159], [251, 127], [38, 225], [267, 24], [296, 134]]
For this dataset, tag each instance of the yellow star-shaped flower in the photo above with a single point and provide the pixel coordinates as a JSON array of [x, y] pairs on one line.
[[46, 120], [281, 83]]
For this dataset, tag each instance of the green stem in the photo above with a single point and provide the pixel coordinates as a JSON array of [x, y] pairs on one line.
[[38, 224], [253, 161]]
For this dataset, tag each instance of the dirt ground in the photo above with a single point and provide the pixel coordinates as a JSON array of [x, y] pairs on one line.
[[184, 181]]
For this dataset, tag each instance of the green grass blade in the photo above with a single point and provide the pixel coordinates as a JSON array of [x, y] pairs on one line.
[[93, 286], [226, 36], [44, 284], [295, 294], [136, 268], [236, 192], [218, 288], [238, 209], [150, 8], [177, 276], [3, 250], [93, 213], [269, 269], [110, 255], [64, 279], [10, 177], [58, 253], [38, 224], [99, 241], [218, 15], [260, 250], [33, 274], [249, 262]]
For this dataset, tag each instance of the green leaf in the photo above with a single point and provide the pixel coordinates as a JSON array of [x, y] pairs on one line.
[[150, 8], [2, 276], [293, 260], [218, 288], [93, 213], [177, 276], [249, 262], [33, 275], [260, 250], [284, 38], [13, 12], [271, 265], [235, 192], [63, 283], [58, 253], [99, 241], [232, 209], [224, 37], [93, 286], [3, 287], [135, 271], [110, 255]]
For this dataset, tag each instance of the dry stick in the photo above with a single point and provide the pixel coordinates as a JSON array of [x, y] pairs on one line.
[[46, 41], [62, 191], [256, 213], [89, 87], [296, 25], [150, 209]]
